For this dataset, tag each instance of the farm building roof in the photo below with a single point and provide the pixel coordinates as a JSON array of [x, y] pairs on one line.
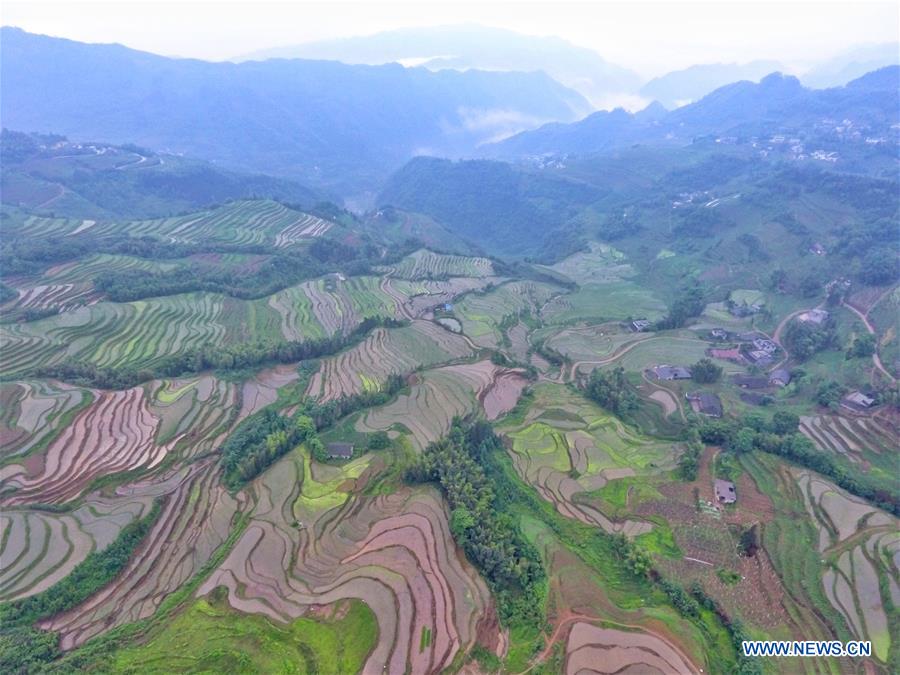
[[706, 403], [780, 376], [340, 450], [671, 373], [725, 491]]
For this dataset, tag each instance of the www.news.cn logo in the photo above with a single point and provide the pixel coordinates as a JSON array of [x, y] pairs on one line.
[[806, 648]]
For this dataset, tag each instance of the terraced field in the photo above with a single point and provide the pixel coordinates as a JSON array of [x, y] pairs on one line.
[[591, 649], [245, 222], [566, 446], [425, 264], [434, 400], [136, 333], [481, 314], [33, 410], [314, 540], [196, 520], [117, 431], [40, 548], [385, 352], [870, 440], [600, 264], [861, 545]]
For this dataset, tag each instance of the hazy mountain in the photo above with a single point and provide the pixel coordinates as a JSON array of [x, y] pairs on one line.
[[680, 87], [322, 122], [852, 64], [778, 103], [471, 46]]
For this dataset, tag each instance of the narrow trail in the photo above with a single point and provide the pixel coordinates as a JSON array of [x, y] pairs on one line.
[[876, 359]]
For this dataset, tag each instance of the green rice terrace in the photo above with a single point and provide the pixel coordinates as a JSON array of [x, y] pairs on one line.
[[376, 457]]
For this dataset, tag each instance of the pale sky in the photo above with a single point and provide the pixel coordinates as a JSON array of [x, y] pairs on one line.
[[650, 37]]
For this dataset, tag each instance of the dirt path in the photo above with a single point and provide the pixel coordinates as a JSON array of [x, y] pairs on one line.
[[869, 327], [618, 354]]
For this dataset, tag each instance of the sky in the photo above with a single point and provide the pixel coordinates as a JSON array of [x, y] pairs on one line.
[[649, 37]]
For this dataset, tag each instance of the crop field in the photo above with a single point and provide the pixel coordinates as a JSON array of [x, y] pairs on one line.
[[40, 548], [425, 264], [606, 650], [612, 301], [602, 264], [384, 352], [313, 540], [593, 343], [116, 334], [870, 440], [860, 544], [240, 223], [196, 520], [32, 411], [481, 315], [118, 431], [434, 400], [417, 298], [664, 349], [328, 306], [566, 446]]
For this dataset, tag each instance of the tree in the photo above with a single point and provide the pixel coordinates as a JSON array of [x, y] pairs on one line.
[[879, 267], [744, 440], [378, 441], [705, 371], [610, 389], [784, 422], [863, 346], [829, 393]]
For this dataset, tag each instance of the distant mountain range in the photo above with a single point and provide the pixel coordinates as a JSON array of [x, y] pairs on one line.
[[681, 87], [778, 103], [324, 123], [469, 46], [852, 64]]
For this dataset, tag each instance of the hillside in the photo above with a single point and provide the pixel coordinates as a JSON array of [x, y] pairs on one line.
[[320, 122], [49, 174]]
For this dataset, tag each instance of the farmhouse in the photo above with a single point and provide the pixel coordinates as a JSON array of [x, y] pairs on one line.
[[639, 325], [817, 249], [718, 334], [857, 401], [765, 345], [339, 450], [670, 373], [725, 493], [816, 316], [780, 377], [705, 403]]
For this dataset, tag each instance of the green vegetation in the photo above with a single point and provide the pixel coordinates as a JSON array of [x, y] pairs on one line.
[[804, 338], [611, 390], [511, 566], [209, 636], [705, 371], [781, 438]]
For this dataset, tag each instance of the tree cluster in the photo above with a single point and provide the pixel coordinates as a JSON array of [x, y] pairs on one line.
[[491, 540], [610, 389]]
